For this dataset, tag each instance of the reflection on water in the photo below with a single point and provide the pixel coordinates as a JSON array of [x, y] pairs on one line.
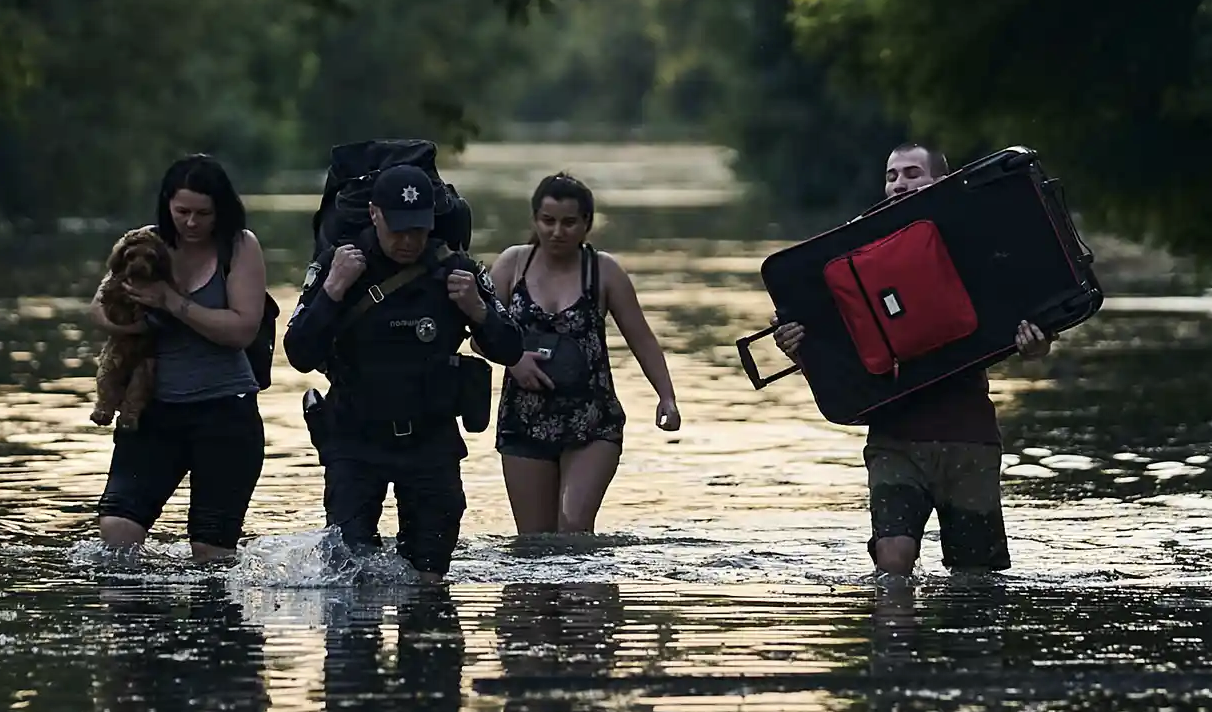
[[730, 571], [587, 646], [411, 637]]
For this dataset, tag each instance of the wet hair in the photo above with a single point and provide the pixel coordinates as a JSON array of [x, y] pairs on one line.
[[936, 161], [201, 173], [562, 186]]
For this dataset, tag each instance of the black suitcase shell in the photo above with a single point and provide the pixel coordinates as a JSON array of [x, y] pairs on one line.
[[1013, 242]]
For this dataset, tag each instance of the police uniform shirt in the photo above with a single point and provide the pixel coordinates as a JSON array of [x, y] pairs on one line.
[[313, 329]]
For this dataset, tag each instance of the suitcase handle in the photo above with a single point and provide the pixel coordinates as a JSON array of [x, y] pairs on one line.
[[991, 169], [1053, 188], [1068, 308], [1019, 161], [751, 370]]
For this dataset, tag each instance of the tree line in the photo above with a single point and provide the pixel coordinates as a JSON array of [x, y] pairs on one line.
[[96, 96]]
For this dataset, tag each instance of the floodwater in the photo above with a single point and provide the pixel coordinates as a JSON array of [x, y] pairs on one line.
[[729, 571]]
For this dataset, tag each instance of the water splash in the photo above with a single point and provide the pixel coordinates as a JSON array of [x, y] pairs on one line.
[[316, 559]]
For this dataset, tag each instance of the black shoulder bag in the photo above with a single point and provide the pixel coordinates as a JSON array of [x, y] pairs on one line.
[[563, 359], [260, 352]]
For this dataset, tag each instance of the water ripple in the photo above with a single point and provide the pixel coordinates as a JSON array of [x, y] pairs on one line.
[[729, 572]]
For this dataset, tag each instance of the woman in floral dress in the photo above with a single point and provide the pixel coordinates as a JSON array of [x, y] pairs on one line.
[[560, 422]]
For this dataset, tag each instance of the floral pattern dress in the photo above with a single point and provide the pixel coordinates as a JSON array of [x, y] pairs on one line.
[[549, 417]]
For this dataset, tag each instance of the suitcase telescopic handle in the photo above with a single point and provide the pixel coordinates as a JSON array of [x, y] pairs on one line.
[[751, 370]]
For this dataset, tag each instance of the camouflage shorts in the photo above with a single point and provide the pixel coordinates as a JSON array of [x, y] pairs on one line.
[[961, 481]]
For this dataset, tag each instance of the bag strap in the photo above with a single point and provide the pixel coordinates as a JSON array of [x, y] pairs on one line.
[[590, 274], [519, 270], [378, 292], [226, 254]]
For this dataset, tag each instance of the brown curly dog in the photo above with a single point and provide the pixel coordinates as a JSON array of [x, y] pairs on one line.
[[126, 368]]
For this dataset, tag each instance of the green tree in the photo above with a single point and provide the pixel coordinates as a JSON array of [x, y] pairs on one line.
[[1115, 96], [96, 97], [698, 70], [590, 63], [609, 68], [21, 38], [114, 90], [813, 153], [420, 68]]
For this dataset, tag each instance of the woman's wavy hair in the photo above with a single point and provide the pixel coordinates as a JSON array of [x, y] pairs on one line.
[[201, 173], [562, 186]]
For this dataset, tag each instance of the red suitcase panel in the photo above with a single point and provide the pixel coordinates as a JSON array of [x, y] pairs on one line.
[[900, 297]]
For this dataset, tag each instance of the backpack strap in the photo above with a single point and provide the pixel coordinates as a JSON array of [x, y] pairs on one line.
[[225, 255], [434, 259], [378, 292], [519, 269], [591, 274]]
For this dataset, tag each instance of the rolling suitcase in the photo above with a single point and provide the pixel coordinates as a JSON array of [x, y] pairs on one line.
[[928, 284]]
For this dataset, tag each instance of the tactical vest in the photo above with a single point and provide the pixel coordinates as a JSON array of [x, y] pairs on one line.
[[396, 364]]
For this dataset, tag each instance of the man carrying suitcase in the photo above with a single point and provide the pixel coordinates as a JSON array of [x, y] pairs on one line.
[[938, 449]]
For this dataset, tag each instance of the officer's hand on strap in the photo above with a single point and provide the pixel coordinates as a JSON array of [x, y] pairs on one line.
[[348, 263], [463, 291]]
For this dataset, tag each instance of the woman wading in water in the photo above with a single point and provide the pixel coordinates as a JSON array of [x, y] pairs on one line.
[[203, 420], [560, 422]]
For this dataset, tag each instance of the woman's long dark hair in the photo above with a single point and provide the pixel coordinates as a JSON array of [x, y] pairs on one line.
[[203, 174], [562, 186]]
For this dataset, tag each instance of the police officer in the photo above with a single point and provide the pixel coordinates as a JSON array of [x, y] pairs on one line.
[[384, 317]]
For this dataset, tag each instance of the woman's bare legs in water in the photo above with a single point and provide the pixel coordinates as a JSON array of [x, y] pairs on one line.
[[563, 497], [585, 474], [120, 533], [534, 493]]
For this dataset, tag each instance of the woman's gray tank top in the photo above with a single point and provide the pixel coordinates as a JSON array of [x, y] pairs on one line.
[[190, 367]]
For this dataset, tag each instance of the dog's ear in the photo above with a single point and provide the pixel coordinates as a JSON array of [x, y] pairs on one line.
[[117, 256]]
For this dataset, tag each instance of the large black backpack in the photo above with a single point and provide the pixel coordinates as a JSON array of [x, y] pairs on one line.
[[353, 167]]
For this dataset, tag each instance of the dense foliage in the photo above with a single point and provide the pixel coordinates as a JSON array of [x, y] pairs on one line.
[[95, 97]]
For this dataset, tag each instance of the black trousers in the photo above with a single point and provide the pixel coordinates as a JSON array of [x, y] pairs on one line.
[[429, 501], [219, 443]]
